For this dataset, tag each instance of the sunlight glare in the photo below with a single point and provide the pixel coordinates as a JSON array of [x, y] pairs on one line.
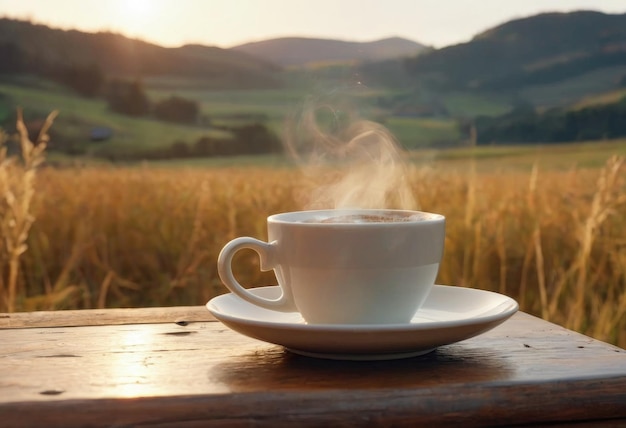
[[137, 7], [136, 17]]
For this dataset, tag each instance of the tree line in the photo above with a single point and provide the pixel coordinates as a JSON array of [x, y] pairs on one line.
[[88, 80], [524, 125], [251, 139], [128, 97]]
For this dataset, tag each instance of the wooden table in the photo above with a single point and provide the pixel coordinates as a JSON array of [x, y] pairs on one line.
[[178, 367]]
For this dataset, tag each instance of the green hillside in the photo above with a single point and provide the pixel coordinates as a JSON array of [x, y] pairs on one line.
[[78, 116], [519, 82], [542, 49]]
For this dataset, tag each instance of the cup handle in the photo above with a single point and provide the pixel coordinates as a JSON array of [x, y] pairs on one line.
[[266, 252]]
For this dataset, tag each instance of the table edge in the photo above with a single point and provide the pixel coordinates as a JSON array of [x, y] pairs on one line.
[[101, 317]]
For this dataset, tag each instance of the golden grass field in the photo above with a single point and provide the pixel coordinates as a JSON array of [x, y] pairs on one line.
[[550, 234]]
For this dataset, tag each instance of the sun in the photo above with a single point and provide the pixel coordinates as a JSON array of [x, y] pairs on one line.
[[136, 7], [135, 17]]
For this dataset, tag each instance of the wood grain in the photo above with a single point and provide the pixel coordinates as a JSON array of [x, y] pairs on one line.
[[88, 317], [526, 371]]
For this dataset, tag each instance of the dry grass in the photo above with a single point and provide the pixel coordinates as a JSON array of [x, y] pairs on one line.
[[553, 240], [17, 180], [108, 237]]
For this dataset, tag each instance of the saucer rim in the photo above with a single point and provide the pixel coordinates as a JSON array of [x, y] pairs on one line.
[[356, 342], [509, 307]]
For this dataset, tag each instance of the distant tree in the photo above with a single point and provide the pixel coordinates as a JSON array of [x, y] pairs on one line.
[[128, 98], [256, 138], [178, 110], [206, 147], [87, 80], [467, 130], [180, 149], [12, 58]]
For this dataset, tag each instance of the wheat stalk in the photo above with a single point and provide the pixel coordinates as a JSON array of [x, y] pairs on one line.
[[468, 222], [604, 202], [17, 190]]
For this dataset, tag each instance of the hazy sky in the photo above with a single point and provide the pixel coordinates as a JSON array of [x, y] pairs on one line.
[[226, 23]]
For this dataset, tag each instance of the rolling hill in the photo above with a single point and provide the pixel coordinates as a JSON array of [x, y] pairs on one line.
[[541, 49], [28, 47], [301, 51]]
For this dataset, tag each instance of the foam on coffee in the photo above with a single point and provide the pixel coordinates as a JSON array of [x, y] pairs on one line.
[[368, 218]]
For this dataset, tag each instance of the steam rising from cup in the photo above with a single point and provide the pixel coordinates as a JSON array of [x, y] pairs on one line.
[[351, 162]]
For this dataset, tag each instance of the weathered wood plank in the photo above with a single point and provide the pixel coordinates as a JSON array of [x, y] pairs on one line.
[[71, 318], [202, 374]]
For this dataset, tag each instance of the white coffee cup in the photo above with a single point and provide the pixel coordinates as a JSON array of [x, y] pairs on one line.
[[346, 266]]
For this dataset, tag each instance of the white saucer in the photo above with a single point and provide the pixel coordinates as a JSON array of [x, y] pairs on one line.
[[449, 315]]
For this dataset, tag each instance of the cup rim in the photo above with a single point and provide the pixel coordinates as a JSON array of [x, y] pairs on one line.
[[297, 217]]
